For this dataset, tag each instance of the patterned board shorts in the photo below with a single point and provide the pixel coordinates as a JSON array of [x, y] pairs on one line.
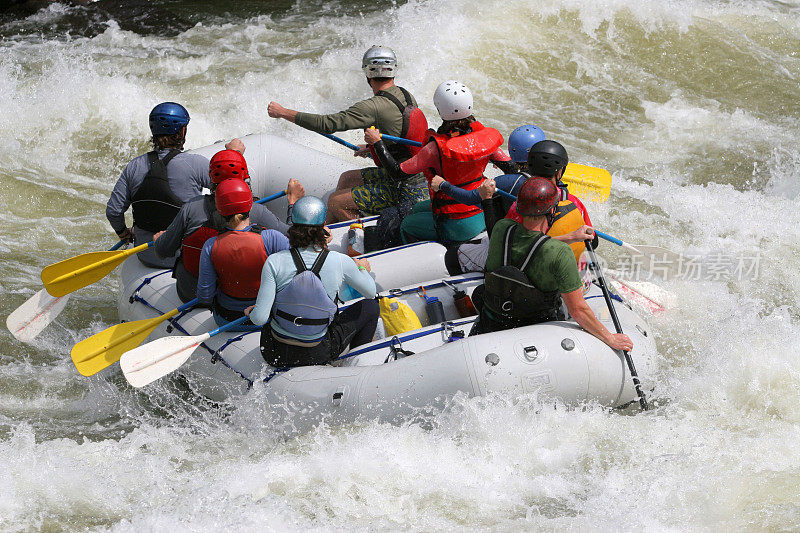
[[380, 191]]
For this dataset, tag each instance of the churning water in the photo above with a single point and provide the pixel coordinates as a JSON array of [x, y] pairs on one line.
[[693, 105]]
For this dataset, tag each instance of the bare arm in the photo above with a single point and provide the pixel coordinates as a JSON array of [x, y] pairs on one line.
[[276, 110], [584, 316], [579, 235]]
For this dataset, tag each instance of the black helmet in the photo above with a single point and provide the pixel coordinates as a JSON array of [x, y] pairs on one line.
[[546, 158]]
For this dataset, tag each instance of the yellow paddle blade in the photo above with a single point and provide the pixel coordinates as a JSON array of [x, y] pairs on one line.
[[105, 348], [589, 183], [77, 272]]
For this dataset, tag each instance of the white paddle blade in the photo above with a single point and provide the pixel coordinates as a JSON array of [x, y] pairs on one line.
[[30, 318], [645, 296], [156, 359]]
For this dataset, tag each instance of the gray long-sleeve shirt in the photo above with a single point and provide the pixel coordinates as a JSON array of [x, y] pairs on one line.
[[195, 213], [187, 175]]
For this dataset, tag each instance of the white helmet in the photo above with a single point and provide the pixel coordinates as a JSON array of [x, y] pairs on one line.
[[379, 62], [453, 100]]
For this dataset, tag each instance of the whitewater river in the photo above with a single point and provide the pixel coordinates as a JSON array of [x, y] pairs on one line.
[[693, 105]]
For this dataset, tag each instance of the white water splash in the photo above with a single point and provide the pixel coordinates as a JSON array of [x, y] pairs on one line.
[[696, 168]]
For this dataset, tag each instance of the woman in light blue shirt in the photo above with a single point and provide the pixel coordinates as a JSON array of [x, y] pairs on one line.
[[296, 300]]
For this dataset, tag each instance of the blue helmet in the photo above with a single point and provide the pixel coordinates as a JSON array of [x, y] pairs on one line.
[[309, 211], [168, 118], [521, 140]]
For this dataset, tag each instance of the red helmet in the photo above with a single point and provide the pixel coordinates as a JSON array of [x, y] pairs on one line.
[[537, 197], [227, 164], [233, 197]]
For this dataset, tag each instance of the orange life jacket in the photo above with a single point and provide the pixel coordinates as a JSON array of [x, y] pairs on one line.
[[567, 219], [463, 160]]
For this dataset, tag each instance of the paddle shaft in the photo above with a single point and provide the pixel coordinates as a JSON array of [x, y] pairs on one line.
[[355, 148], [616, 241], [341, 141], [271, 197], [599, 233], [93, 266], [628, 359], [400, 140]]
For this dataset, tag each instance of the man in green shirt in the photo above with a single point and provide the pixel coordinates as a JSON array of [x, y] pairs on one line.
[[548, 265], [370, 190]]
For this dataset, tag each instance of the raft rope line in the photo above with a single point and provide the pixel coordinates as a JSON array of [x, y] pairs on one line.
[[397, 338], [346, 224], [445, 325], [612, 293], [217, 356], [174, 320], [276, 371], [457, 281]]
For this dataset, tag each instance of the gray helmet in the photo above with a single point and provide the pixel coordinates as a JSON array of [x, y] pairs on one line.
[[379, 62], [309, 211]]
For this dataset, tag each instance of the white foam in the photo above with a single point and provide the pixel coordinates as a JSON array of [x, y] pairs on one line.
[[607, 79]]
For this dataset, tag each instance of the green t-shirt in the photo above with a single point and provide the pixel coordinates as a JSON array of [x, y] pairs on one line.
[[553, 268], [376, 111]]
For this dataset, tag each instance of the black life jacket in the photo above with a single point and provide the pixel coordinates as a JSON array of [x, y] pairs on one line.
[[154, 204], [511, 297]]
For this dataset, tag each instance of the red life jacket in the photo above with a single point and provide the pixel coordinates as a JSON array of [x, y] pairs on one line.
[[415, 126], [463, 160], [192, 244], [238, 257]]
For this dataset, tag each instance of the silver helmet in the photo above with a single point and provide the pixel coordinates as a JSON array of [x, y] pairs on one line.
[[379, 62], [309, 211]]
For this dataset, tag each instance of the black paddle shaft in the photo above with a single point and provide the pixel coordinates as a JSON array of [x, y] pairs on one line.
[[602, 282]]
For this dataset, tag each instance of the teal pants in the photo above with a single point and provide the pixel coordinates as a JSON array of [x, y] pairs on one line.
[[421, 226]]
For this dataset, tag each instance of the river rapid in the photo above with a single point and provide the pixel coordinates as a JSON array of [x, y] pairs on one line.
[[693, 105]]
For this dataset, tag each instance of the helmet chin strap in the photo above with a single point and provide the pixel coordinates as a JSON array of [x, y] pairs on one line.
[[550, 216]]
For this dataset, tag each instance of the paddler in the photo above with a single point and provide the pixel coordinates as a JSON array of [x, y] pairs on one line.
[[457, 152], [198, 219], [231, 262], [391, 109], [529, 274], [548, 159], [158, 183], [545, 159], [297, 299]]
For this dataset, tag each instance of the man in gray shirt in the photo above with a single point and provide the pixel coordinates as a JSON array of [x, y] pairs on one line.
[[156, 184]]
